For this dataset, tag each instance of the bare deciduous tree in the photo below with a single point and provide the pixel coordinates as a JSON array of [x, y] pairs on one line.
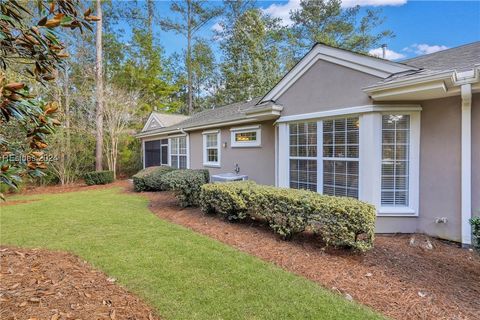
[[119, 110]]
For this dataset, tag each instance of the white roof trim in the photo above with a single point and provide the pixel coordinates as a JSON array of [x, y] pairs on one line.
[[351, 110], [374, 66], [152, 117]]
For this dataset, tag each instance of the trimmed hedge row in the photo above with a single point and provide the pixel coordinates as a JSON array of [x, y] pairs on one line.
[[150, 179], [98, 177], [340, 221], [186, 184]]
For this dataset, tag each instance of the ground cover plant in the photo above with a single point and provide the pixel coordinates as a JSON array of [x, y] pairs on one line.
[[182, 274], [340, 221]]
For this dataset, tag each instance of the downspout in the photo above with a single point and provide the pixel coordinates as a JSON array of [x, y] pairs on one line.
[[466, 163]]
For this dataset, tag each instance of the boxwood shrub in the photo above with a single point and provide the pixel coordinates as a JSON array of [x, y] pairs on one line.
[[98, 177], [340, 221], [150, 179], [186, 184]]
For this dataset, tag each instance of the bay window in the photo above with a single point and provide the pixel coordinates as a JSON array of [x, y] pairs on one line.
[[372, 156]]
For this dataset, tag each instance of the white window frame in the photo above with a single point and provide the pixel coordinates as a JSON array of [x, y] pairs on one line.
[[207, 163], [187, 142], [413, 169], [246, 144], [370, 155]]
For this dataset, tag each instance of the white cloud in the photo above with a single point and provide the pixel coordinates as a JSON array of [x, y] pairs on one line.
[[217, 27], [389, 54], [424, 48], [373, 3], [282, 10]]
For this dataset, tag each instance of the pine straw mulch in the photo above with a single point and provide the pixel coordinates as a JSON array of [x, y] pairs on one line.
[[41, 284], [395, 278]]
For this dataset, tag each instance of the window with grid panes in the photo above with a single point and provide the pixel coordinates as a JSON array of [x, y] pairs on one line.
[[303, 155], [341, 157]]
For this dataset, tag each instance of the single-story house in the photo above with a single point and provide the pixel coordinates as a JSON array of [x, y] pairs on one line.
[[404, 136]]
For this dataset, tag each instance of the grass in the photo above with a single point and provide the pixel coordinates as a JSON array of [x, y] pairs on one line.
[[182, 274]]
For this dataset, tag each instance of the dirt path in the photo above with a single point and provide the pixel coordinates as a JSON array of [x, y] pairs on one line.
[[41, 284], [396, 279]]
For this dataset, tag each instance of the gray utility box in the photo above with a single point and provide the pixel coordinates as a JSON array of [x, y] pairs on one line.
[[226, 177]]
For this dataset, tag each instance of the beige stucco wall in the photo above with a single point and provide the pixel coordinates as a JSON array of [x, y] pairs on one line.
[[256, 162], [326, 86], [440, 168], [476, 154]]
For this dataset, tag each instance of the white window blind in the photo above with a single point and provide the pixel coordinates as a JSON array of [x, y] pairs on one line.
[[303, 155], [340, 157], [395, 160]]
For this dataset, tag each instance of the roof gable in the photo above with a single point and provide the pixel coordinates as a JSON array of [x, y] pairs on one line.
[[158, 120], [356, 61]]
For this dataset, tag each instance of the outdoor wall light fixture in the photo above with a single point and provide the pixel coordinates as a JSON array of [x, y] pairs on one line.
[[225, 144]]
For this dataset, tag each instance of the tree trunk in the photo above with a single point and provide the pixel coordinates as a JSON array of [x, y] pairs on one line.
[[99, 90], [189, 58]]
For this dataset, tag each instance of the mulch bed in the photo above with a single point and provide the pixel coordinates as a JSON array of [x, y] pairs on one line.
[[40, 284], [395, 278]]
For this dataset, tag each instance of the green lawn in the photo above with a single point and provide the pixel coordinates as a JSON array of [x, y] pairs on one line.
[[182, 274]]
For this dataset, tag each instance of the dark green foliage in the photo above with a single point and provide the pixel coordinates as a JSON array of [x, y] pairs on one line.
[[150, 179], [475, 222], [340, 221], [98, 177], [187, 185]]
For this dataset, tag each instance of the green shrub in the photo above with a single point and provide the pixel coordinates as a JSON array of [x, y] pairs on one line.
[[475, 222], [224, 199], [98, 177], [150, 179], [341, 221], [186, 184]]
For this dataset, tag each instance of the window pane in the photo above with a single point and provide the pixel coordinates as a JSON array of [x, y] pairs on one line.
[[246, 136], [182, 162], [303, 174], [340, 178], [303, 139], [395, 156], [212, 155]]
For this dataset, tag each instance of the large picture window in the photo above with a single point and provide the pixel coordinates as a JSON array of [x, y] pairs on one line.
[[211, 148], [178, 152], [303, 156], [395, 160], [340, 157]]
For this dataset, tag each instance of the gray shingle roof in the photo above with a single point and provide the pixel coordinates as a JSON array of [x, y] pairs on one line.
[[230, 112], [458, 58]]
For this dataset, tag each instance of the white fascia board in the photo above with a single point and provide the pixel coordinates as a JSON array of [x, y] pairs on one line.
[[444, 75], [437, 89], [350, 111], [370, 65]]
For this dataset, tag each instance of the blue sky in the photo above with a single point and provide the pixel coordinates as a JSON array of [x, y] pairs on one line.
[[420, 26]]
